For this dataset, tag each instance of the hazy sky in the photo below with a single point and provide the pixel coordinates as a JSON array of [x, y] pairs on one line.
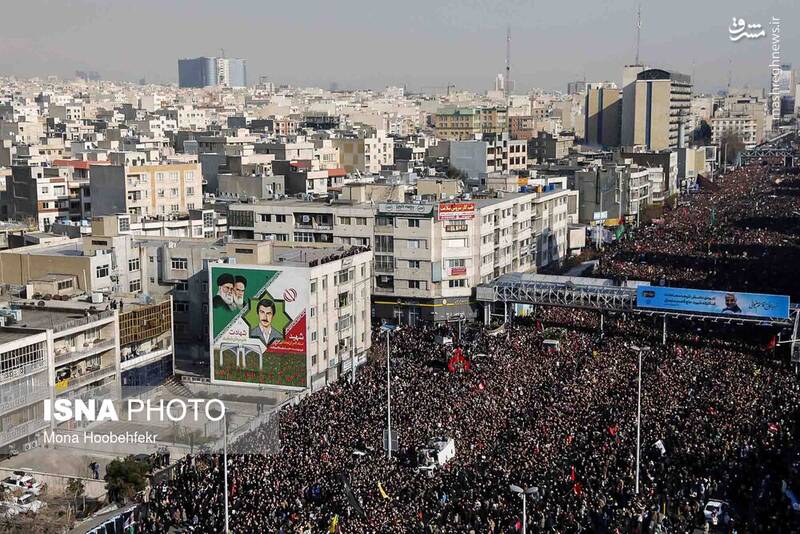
[[421, 43]]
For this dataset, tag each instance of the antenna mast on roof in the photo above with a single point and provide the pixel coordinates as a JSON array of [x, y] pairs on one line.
[[508, 62], [638, 31]]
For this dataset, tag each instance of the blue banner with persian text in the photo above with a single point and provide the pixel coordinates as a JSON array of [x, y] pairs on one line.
[[716, 302]]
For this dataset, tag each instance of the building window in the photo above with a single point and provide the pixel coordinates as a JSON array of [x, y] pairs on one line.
[[413, 264], [64, 284], [344, 220], [384, 221], [361, 221], [413, 223], [101, 271], [134, 286], [416, 243], [182, 286], [384, 243], [241, 218], [280, 218], [180, 264], [266, 217], [457, 283], [124, 224], [304, 237], [182, 307], [133, 265], [413, 284], [244, 250]]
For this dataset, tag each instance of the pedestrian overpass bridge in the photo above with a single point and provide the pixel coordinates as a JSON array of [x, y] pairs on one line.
[[604, 296]]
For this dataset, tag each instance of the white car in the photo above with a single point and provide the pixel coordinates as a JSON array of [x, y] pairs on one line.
[[28, 503], [717, 510], [22, 481]]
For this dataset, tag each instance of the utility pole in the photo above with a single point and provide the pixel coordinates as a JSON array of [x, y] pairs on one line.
[[225, 468], [508, 64], [638, 30]]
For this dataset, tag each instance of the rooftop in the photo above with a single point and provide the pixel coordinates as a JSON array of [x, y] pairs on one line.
[[10, 334]]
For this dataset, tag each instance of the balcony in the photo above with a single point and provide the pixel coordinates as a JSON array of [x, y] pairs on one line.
[[147, 357], [318, 227], [83, 321], [20, 431], [25, 370], [76, 382], [32, 397], [83, 352]]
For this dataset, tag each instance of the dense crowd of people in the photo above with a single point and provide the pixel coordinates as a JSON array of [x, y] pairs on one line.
[[719, 413], [741, 232], [719, 420]]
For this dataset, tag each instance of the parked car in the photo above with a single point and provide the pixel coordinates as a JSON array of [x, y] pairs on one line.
[[21, 480], [27, 503]]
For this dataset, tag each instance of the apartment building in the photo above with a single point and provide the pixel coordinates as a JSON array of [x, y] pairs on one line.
[[289, 148], [151, 190], [656, 109], [489, 153], [554, 212], [24, 383], [744, 126], [180, 268], [83, 270], [465, 123], [46, 195], [414, 242], [346, 223], [365, 153], [75, 349], [212, 71], [603, 115], [546, 146], [430, 255], [621, 191], [146, 344]]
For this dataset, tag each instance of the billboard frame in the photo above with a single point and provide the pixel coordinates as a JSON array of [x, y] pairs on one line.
[[304, 275]]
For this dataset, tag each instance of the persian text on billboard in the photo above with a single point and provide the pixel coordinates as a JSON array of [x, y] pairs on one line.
[[258, 325], [456, 211], [716, 302]]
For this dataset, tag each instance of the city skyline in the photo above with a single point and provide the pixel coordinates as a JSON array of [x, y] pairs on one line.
[[426, 47]]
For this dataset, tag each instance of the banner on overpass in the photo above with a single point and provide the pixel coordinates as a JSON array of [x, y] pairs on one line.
[[715, 302]]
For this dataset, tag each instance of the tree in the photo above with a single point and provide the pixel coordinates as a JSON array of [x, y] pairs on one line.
[[125, 478], [453, 172], [731, 145], [76, 489], [702, 134]]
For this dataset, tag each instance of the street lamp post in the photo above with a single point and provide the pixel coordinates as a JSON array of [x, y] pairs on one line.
[[639, 415], [524, 493], [225, 467], [388, 329]]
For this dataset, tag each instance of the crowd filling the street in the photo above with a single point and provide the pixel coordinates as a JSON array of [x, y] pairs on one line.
[[719, 409]]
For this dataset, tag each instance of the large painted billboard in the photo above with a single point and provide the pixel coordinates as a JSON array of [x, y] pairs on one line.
[[257, 319], [716, 302]]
